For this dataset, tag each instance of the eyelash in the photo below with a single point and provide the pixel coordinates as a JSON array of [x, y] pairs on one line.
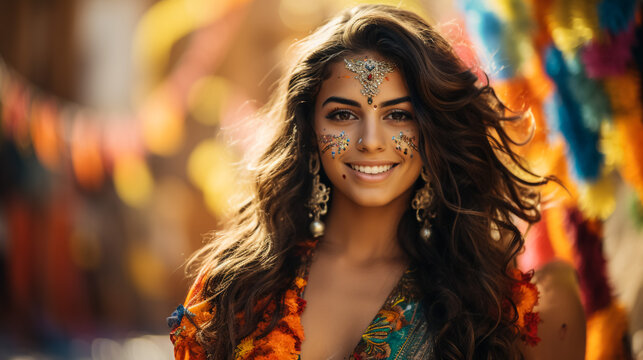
[[338, 111], [400, 112]]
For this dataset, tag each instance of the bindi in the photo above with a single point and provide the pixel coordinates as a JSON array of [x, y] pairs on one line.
[[370, 73], [335, 143]]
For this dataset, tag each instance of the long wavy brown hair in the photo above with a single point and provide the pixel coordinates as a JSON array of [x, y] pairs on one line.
[[464, 268]]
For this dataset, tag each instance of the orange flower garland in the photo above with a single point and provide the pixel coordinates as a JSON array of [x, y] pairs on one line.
[[525, 297], [284, 341]]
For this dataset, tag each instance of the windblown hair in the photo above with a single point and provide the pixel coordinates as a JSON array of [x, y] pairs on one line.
[[464, 267]]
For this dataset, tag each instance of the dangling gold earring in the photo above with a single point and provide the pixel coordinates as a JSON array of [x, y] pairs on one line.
[[421, 203], [318, 198]]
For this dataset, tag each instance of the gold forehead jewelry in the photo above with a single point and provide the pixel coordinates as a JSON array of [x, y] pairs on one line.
[[370, 74]]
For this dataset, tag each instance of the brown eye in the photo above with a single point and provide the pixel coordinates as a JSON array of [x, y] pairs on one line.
[[399, 115], [341, 115]]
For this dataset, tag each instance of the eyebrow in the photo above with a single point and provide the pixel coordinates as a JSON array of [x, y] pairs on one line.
[[341, 101], [396, 101], [345, 101]]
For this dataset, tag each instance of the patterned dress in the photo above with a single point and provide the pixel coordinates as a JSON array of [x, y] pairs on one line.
[[397, 331]]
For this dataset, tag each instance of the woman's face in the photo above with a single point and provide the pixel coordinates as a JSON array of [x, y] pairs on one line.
[[368, 144]]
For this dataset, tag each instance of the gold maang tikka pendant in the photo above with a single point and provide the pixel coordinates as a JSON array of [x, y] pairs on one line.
[[370, 73]]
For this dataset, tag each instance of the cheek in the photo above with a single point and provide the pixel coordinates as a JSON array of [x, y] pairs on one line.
[[334, 169]]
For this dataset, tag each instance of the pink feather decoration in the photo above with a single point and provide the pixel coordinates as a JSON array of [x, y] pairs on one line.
[[454, 32], [538, 249], [609, 56], [586, 236]]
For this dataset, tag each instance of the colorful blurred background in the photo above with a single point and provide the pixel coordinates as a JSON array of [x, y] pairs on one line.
[[121, 123]]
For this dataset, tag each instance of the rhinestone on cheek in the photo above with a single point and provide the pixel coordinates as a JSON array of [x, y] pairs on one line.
[[329, 141], [404, 139]]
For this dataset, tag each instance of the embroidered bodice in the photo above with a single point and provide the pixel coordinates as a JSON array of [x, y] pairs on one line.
[[397, 331]]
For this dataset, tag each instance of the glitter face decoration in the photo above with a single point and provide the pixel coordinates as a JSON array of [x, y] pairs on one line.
[[403, 143], [370, 74], [340, 142]]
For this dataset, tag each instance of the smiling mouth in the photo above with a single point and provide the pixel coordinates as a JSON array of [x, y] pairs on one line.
[[372, 170]]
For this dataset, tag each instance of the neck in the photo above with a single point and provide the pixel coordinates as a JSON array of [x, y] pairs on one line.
[[364, 234]]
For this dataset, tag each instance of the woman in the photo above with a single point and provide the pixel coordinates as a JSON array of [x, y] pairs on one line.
[[381, 218]]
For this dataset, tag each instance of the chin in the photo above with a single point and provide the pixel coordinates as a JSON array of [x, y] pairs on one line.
[[373, 198]]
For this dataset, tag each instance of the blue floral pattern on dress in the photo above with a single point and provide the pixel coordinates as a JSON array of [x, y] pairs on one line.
[[388, 335]]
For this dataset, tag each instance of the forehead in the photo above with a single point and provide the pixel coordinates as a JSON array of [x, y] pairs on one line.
[[342, 82]]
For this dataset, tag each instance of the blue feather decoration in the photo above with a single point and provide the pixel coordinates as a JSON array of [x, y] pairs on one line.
[[616, 15], [488, 31], [582, 142], [590, 95]]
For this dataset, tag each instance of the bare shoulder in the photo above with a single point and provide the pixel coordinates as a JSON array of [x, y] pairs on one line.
[[562, 327]]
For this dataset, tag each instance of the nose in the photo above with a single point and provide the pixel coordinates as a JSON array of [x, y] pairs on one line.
[[371, 136]]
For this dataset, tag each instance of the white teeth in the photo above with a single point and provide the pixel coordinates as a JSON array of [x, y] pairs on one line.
[[372, 169]]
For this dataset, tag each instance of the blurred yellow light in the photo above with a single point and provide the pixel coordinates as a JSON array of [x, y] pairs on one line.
[[147, 271], [610, 145], [211, 168], [306, 15], [132, 180], [165, 23], [301, 15], [573, 23], [207, 99], [220, 190], [162, 122], [201, 160], [597, 199], [415, 6]]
